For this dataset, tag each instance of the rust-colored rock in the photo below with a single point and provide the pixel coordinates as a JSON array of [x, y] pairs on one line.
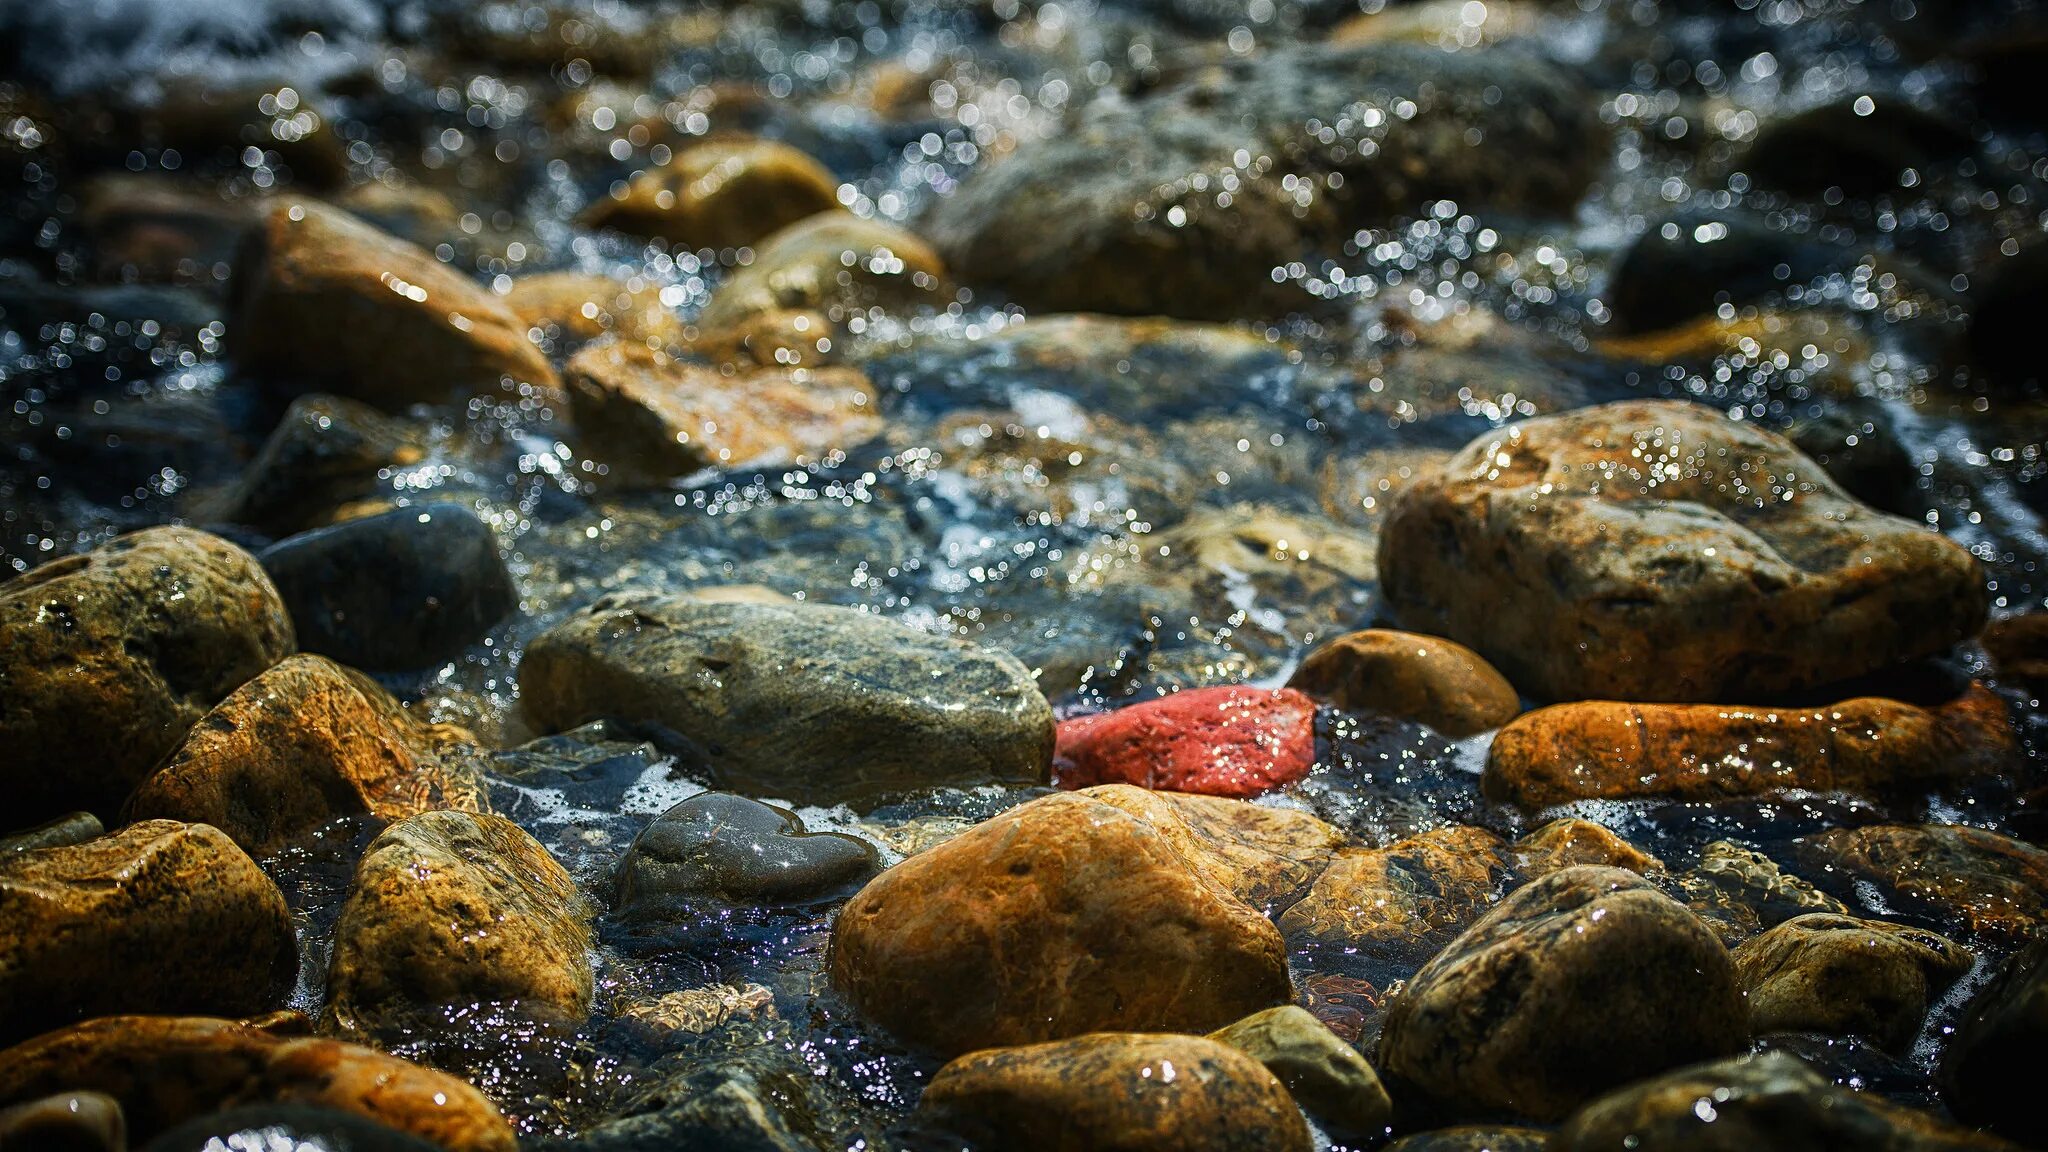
[[324, 301], [106, 658], [1993, 884], [1232, 740], [1402, 900], [302, 744], [2018, 647], [1436, 682], [457, 908], [724, 193], [1570, 842], [166, 1069], [1062, 916], [1608, 750], [1657, 550], [652, 417], [1261, 855], [581, 306], [157, 917], [1574, 984], [1846, 977], [1125, 1092]]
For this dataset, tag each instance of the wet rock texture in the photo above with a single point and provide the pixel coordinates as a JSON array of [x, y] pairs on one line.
[[1225, 741], [1609, 750], [323, 455], [157, 917], [108, 657], [1656, 550], [1987, 1076], [164, 1070], [1058, 230], [1769, 1102], [1063, 916], [721, 194], [1400, 900], [1115, 1091], [1575, 983], [723, 847], [1435, 682], [1739, 891], [1845, 976], [1324, 1074], [300, 745], [877, 706], [327, 302], [1571, 841], [457, 908], [404, 590], [1992, 884]]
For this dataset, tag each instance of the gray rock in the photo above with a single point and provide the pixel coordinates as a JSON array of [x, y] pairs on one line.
[[812, 703], [724, 847], [74, 828], [757, 1102], [325, 452]]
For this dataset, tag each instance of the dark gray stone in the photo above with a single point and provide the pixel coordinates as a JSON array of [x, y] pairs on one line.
[[1993, 1064], [717, 845], [325, 452]]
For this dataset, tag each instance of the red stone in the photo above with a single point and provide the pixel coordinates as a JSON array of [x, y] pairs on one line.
[[1231, 741]]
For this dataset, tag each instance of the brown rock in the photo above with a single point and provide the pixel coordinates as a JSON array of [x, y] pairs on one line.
[[1739, 891], [1401, 901], [1061, 916], [722, 193], [2018, 646], [1600, 749], [833, 263], [652, 417], [324, 301], [158, 917], [108, 657], [66, 1122], [457, 908], [584, 307], [1435, 682], [303, 744], [787, 337], [1993, 884], [1656, 550], [166, 1069], [1324, 1073], [154, 230], [1846, 977], [1575, 983], [1118, 1092], [1569, 842], [1474, 1138], [1261, 855]]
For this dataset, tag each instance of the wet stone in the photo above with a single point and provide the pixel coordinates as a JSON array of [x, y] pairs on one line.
[[1987, 1073], [1111, 1090], [833, 263], [720, 194], [64, 831], [1991, 884], [1474, 1138], [1861, 150], [758, 1102], [584, 307], [402, 590], [166, 1070], [1739, 891], [294, 1126], [327, 452], [1571, 841], [1435, 682], [108, 657], [1325, 1075], [1573, 984], [1656, 550], [718, 847], [305, 743], [1394, 905], [1845, 976], [1863, 453], [66, 1122], [1225, 741], [886, 708]]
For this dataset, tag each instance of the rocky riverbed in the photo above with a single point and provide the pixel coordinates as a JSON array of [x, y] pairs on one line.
[[1022, 574]]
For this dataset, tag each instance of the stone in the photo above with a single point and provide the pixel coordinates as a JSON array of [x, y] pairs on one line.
[[1120, 212], [1859, 447], [1062, 916], [650, 417], [305, 743], [1232, 741], [157, 917], [327, 452], [1860, 146], [1656, 550], [580, 306], [325, 302], [66, 830], [1573, 984], [886, 708], [398, 591], [165, 1070], [1474, 1138], [106, 658], [66, 1122], [1844, 976], [292, 1126], [1687, 267], [1988, 1074], [1571, 841], [720, 193], [1739, 891], [2018, 647], [724, 848], [1264, 856], [1870, 745], [1324, 1074], [1126, 1091], [833, 263], [1766, 1103], [699, 1011], [1421, 678], [154, 231], [1398, 903], [1993, 885], [457, 908], [761, 1101]]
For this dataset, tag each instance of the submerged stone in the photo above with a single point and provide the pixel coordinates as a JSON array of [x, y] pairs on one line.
[[1397, 903], [326, 453], [1992, 884], [1569, 842], [1845, 976]]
